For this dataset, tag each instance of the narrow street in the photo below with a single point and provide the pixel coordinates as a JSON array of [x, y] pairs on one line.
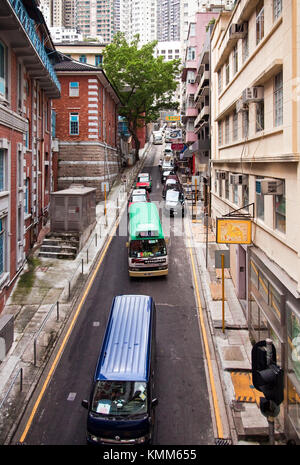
[[183, 404]]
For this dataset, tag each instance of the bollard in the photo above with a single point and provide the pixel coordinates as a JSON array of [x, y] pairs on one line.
[[57, 311], [96, 240], [82, 266]]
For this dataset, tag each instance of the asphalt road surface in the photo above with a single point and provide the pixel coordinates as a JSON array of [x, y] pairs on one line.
[[183, 410]]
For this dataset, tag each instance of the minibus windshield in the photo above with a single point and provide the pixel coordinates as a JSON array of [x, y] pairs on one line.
[[120, 398], [147, 248]]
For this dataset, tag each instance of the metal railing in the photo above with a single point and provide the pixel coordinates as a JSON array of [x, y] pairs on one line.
[[92, 248]]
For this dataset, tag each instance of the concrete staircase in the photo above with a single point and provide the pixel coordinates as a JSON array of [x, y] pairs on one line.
[[60, 245]]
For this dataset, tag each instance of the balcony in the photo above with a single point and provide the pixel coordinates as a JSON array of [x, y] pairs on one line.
[[19, 30], [204, 80], [201, 97], [203, 115], [191, 112]]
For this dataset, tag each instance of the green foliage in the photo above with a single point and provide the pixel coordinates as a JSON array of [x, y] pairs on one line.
[[27, 278], [145, 84]]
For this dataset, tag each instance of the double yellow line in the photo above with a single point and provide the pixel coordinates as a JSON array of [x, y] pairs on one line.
[[219, 425], [65, 340]]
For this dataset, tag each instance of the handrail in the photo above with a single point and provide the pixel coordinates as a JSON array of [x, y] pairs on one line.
[[11, 385]]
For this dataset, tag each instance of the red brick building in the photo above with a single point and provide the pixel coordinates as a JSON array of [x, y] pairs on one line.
[[27, 85], [86, 127]]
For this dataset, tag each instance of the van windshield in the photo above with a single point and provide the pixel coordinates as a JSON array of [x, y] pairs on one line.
[[120, 398], [147, 248]]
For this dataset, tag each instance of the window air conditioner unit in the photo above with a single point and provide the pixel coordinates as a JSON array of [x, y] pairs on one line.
[[220, 174], [240, 105], [253, 94], [238, 179], [238, 31], [269, 186]]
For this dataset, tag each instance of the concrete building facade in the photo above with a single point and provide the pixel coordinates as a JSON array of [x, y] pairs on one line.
[[86, 128], [27, 85], [255, 168], [196, 39], [90, 53]]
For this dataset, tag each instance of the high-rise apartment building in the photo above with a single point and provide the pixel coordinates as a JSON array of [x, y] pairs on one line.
[[70, 14], [168, 20], [95, 18], [139, 17]]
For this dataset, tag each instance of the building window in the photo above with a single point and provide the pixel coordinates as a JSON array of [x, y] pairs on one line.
[[277, 8], [245, 116], [245, 47], [235, 125], [227, 186], [220, 132], [3, 70], [227, 72], [227, 130], [245, 193], [260, 204], [74, 124], [2, 246], [219, 81], [235, 59], [74, 89], [260, 121], [235, 192], [191, 55], [98, 60], [3, 186], [20, 169], [259, 22], [279, 209], [20, 85], [278, 100], [26, 206], [82, 58]]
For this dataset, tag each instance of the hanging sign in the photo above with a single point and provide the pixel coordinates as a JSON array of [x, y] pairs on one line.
[[233, 231]]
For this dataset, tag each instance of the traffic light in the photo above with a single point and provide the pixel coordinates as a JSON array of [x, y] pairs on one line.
[[268, 408], [272, 387], [267, 377], [260, 362]]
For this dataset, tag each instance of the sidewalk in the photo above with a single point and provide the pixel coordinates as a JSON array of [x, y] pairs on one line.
[[40, 316], [42, 302], [233, 346]]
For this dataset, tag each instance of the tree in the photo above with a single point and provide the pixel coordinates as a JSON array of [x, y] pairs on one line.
[[144, 83]]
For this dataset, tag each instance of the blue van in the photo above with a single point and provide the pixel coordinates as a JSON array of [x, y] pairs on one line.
[[122, 400]]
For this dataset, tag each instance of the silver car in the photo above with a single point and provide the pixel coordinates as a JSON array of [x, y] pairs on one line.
[[174, 203]]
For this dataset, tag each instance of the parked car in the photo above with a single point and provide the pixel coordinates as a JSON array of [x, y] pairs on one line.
[[172, 182], [165, 174], [174, 203], [138, 195], [144, 181], [168, 164]]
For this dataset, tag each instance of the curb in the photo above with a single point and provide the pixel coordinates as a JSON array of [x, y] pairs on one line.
[[36, 372]]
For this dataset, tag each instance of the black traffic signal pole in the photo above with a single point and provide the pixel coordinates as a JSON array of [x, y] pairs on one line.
[[271, 419], [267, 377]]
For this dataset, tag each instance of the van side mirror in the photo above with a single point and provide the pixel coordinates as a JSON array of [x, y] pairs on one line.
[[85, 403], [154, 402]]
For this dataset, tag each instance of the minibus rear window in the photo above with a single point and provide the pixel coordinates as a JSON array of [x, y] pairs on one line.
[[120, 398]]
